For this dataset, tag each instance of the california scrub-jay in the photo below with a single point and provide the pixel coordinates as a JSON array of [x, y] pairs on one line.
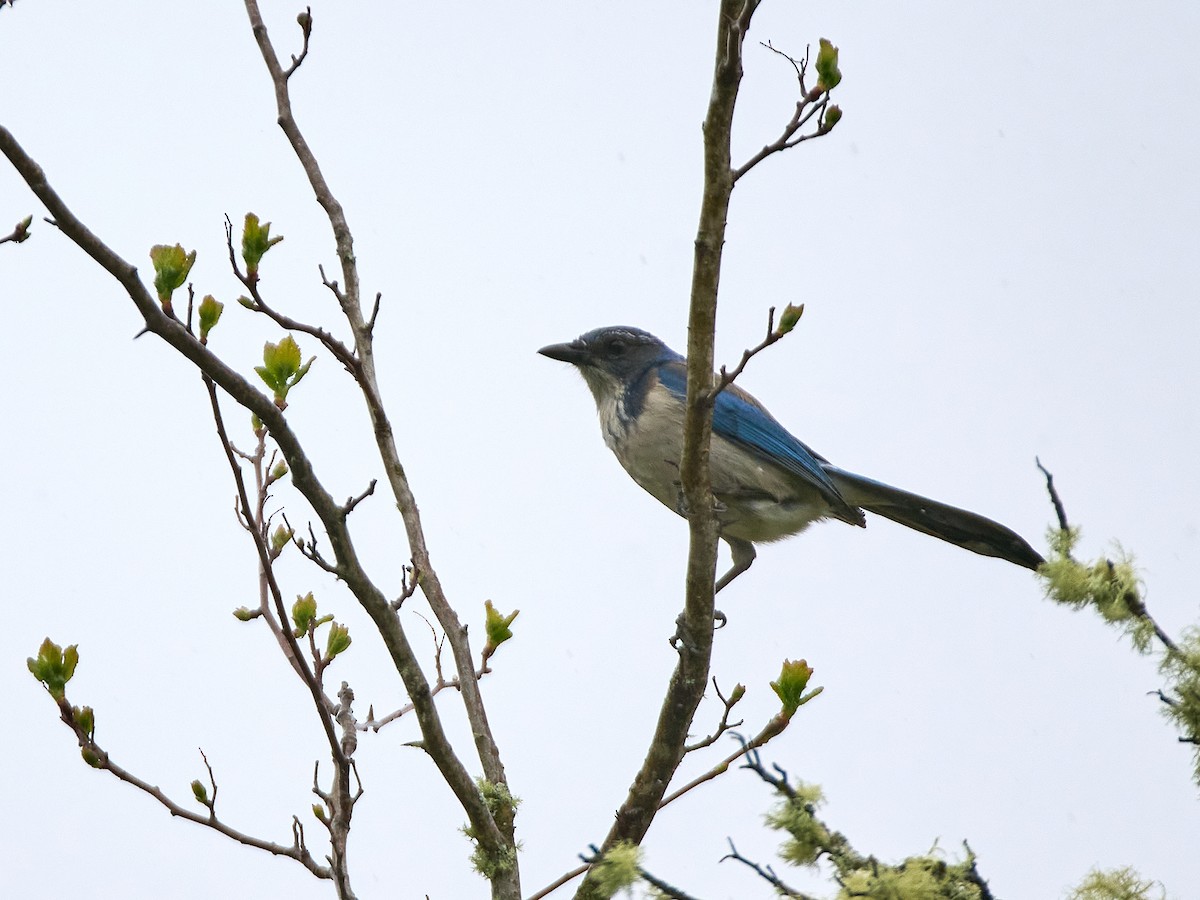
[[767, 484]]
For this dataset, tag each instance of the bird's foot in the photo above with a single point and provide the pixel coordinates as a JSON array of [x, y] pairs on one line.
[[680, 640]]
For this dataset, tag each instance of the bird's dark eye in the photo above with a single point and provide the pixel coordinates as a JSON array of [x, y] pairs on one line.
[[616, 347]]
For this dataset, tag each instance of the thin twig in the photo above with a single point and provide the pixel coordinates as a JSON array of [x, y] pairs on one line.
[[664, 889], [340, 351], [559, 882], [773, 336], [1059, 510], [767, 873], [441, 683], [304, 20], [348, 506], [308, 549], [374, 313], [410, 580], [724, 725], [773, 727], [100, 759], [211, 800], [310, 679], [811, 103]]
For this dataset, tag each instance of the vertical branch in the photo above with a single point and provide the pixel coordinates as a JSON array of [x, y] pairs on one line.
[[735, 16], [348, 295], [696, 627]]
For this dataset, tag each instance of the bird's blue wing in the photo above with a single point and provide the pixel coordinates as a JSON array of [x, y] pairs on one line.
[[739, 418]]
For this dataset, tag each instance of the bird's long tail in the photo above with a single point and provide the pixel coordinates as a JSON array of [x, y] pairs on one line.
[[957, 526]]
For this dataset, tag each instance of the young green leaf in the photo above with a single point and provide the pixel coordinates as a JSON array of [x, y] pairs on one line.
[[171, 268], [497, 624], [54, 666], [281, 369], [828, 74], [256, 241], [793, 679]]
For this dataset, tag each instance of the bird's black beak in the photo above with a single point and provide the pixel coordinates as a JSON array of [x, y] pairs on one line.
[[574, 353]]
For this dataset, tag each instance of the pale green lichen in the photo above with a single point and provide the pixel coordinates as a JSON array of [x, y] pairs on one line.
[[618, 870], [1111, 586], [502, 804], [1117, 884]]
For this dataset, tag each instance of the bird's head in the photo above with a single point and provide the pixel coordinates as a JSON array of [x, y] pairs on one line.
[[613, 358]]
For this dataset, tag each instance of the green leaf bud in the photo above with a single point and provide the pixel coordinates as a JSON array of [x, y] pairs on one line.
[[280, 537], [339, 640], [85, 718], [210, 313], [789, 318], [304, 610]]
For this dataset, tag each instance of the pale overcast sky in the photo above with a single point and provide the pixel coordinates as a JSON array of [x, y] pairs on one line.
[[998, 253]]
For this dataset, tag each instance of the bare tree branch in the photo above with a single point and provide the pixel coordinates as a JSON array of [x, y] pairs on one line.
[[724, 725], [774, 335], [493, 829], [99, 758], [767, 873], [690, 677]]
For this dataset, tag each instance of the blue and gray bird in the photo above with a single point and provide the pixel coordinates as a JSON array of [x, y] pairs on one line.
[[767, 484]]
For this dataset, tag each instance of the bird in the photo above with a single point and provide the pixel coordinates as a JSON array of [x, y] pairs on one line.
[[766, 483]]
